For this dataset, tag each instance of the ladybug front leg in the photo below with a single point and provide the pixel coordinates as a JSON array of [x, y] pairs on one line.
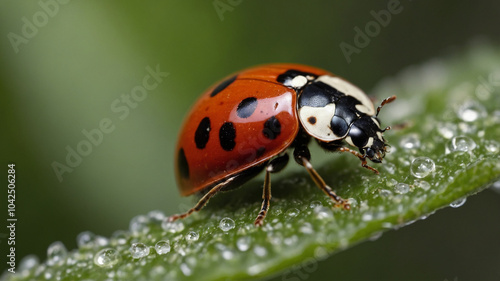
[[361, 157], [203, 201], [302, 156], [274, 166]]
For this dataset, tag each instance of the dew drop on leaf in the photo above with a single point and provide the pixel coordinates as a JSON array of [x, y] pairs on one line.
[[106, 257], [422, 167]]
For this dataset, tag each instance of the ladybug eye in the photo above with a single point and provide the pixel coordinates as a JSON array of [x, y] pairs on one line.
[[370, 153]]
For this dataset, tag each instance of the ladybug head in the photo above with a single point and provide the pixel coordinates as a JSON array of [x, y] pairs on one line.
[[366, 134]]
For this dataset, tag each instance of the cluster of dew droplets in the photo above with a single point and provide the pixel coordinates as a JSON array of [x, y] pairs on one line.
[[429, 172], [420, 168]]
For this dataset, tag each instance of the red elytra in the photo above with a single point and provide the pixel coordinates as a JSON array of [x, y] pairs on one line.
[[244, 124]]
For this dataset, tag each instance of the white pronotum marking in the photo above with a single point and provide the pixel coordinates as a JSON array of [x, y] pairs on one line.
[[299, 81], [349, 89], [322, 128]]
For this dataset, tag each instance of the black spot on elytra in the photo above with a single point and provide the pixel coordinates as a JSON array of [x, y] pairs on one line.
[[182, 164], [246, 107], [272, 128], [202, 133], [223, 85], [287, 77], [227, 135], [260, 151], [311, 120]]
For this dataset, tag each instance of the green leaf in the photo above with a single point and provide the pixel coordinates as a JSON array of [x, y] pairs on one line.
[[446, 111]]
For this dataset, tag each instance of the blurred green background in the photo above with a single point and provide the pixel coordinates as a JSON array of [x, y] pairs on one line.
[[65, 63]]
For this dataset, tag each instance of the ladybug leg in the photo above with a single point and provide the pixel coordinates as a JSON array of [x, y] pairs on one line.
[[203, 201], [302, 156], [361, 157], [266, 197], [274, 166]]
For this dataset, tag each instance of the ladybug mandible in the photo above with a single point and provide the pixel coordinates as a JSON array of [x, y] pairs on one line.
[[248, 122]]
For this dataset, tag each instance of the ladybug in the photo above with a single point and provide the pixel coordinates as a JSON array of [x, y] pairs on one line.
[[249, 121]]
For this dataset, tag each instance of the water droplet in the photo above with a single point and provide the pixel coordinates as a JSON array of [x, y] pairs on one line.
[[260, 251], [56, 253], [315, 204], [293, 212], [162, 247], [119, 237], [447, 130], [180, 249], [292, 240], [101, 241], [156, 216], [256, 269], [85, 239], [192, 236], [48, 274], [28, 263], [323, 212], [306, 228], [470, 111], [353, 202], [460, 143], [243, 243], [139, 224], [385, 193], [157, 272], [458, 203], [139, 250], [227, 254], [107, 257], [422, 167], [185, 269], [402, 188], [367, 216], [410, 141], [172, 227], [422, 184], [389, 167], [492, 146], [226, 224], [320, 253], [467, 128], [391, 182]]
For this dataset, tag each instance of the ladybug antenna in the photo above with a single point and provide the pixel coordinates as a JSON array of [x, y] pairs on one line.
[[384, 102]]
